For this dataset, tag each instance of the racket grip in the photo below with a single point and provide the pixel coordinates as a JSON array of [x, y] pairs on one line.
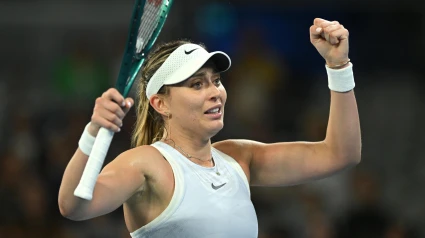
[[94, 164]]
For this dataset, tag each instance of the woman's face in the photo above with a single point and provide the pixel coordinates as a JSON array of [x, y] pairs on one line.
[[197, 104]]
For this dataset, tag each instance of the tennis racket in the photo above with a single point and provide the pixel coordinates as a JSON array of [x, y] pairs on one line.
[[147, 20]]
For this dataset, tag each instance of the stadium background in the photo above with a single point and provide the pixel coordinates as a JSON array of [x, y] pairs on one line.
[[58, 56]]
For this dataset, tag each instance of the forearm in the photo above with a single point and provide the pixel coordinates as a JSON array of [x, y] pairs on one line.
[[343, 132], [68, 203], [108, 112]]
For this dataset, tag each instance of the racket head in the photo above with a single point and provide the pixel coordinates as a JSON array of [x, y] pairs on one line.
[[146, 23]]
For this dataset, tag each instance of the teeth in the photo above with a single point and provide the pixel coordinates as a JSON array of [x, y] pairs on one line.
[[213, 110]]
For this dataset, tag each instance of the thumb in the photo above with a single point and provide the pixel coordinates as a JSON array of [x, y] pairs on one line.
[[315, 33], [129, 102], [316, 30]]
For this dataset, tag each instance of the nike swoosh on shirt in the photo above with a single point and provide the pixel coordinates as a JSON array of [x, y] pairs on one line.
[[190, 51], [217, 187]]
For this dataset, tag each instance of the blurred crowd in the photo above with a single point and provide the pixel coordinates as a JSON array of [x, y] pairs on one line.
[[275, 93]]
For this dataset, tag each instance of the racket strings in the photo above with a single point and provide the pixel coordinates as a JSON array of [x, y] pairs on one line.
[[148, 24]]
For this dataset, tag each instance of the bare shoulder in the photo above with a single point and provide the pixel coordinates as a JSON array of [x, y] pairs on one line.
[[239, 150], [146, 159], [140, 154]]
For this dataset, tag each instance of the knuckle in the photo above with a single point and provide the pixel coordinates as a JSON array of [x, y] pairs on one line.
[[115, 119], [110, 117], [108, 92], [110, 127], [116, 109], [113, 91], [97, 107]]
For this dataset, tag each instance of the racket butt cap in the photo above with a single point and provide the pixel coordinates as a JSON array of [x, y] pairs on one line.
[[83, 192]]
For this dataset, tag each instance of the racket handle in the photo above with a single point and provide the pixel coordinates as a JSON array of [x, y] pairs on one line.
[[94, 164]]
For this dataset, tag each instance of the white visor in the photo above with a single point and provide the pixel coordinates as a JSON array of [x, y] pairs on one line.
[[183, 63]]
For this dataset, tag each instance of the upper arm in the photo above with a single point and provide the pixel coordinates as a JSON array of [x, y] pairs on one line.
[[290, 163], [284, 163], [117, 182]]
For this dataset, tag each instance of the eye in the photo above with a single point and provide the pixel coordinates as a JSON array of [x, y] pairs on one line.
[[196, 85], [217, 81]]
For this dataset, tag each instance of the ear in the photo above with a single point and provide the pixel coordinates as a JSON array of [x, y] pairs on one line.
[[159, 103]]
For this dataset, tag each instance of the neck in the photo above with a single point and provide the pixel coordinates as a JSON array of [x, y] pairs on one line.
[[199, 148]]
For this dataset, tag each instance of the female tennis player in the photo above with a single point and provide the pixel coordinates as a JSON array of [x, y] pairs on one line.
[[174, 182]]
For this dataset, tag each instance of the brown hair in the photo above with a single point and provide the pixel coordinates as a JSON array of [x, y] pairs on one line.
[[150, 126]]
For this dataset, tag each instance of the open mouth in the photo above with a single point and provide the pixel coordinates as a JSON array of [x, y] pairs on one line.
[[214, 110]]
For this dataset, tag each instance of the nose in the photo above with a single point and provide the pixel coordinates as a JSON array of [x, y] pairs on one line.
[[215, 93]]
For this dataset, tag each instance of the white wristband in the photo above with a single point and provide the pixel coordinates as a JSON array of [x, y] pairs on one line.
[[86, 141], [341, 80]]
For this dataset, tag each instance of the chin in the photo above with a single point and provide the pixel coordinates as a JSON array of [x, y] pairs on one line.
[[217, 127]]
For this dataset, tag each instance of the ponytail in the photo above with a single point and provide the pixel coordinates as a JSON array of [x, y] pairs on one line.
[[149, 124]]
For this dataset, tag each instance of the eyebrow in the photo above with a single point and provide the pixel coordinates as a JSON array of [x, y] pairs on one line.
[[202, 74]]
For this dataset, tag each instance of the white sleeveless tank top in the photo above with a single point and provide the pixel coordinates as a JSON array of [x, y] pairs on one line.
[[207, 202]]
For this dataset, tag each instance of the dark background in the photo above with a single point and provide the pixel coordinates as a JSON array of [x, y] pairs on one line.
[[56, 57]]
